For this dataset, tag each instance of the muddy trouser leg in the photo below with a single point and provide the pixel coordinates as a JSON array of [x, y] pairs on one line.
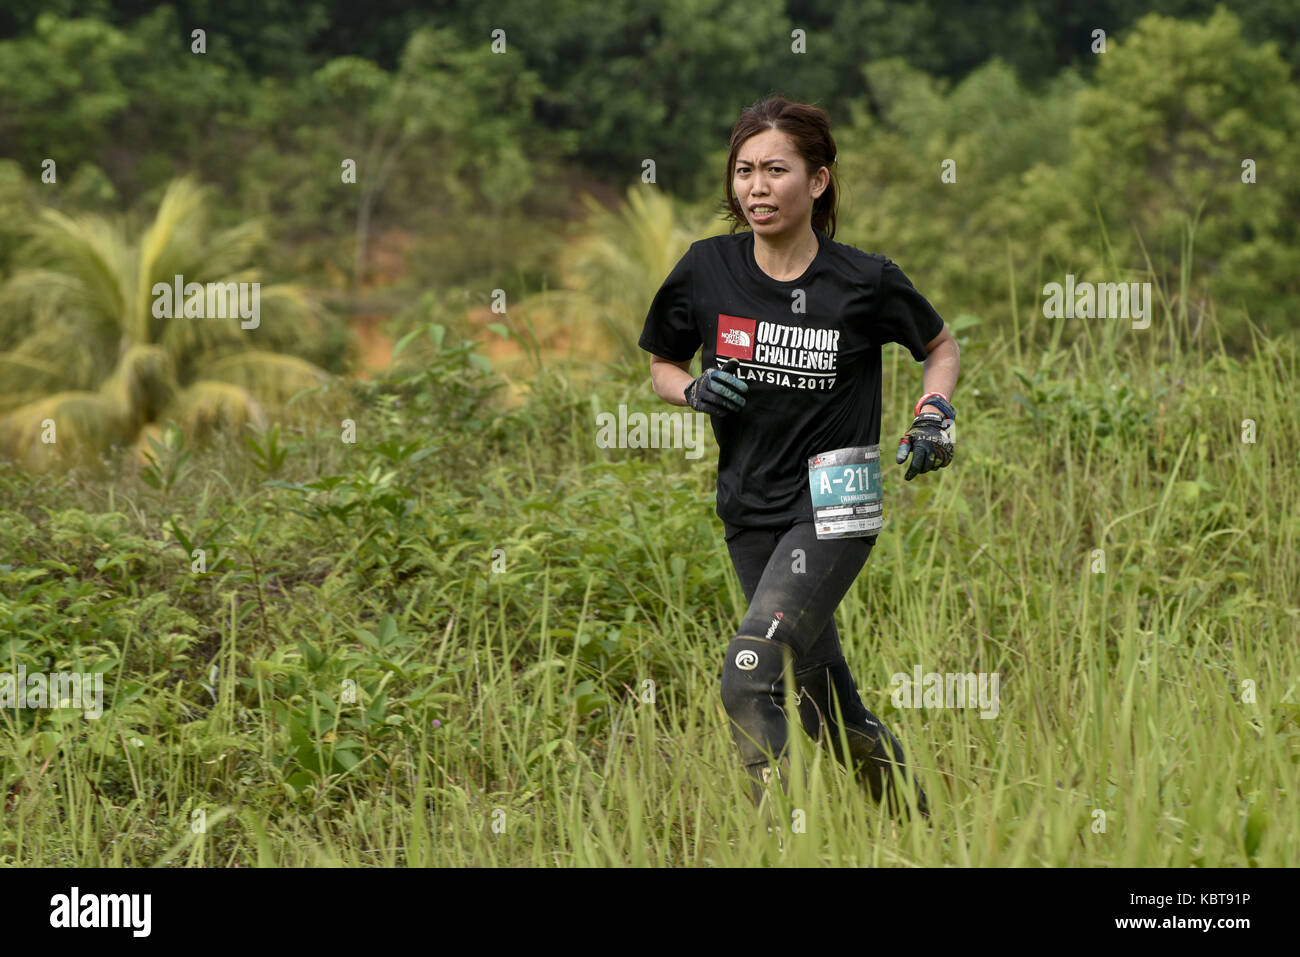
[[827, 691], [793, 582]]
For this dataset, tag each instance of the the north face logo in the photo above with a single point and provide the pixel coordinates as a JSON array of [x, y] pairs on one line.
[[735, 337]]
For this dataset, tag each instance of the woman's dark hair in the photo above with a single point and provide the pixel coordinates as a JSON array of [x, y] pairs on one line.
[[809, 128]]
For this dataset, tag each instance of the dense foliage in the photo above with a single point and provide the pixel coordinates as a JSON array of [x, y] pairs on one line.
[[366, 615]]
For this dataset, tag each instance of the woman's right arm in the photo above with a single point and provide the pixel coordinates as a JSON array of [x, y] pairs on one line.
[[670, 379]]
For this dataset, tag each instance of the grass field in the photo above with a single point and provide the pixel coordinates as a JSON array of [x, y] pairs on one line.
[[436, 645]]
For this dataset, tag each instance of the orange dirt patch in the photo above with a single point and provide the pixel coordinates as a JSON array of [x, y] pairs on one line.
[[374, 349]]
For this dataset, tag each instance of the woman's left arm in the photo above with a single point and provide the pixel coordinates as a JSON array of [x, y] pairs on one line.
[[942, 364], [929, 441]]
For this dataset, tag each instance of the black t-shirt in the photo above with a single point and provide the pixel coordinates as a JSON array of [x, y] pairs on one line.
[[809, 348]]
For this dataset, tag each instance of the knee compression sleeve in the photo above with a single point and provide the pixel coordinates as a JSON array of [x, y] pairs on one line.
[[753, 692]]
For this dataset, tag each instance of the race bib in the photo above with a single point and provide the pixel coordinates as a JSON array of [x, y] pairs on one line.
[[845, 486]]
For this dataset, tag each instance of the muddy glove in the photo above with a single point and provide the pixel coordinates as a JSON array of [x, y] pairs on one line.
[[928, 438], [718, 391]]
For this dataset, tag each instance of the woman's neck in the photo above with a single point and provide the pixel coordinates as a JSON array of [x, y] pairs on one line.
[[786, 259]]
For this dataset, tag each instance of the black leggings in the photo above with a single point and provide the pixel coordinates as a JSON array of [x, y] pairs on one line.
[[793, 572], [793, 582]]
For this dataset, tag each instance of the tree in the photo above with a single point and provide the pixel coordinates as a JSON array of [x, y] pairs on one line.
[[611, 272], [462, 107], [87, 352], [1177, 108]]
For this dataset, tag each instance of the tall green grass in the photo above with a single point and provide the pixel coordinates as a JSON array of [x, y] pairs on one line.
[[503, 717]]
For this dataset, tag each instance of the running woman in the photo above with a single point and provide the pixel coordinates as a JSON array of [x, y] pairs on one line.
[[792, 324]]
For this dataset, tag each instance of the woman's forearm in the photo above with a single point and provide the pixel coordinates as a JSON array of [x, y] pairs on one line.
[[670, 382], [941, 369]]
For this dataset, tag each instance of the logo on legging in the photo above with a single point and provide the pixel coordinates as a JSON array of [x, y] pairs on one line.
[[747, 660], [775, 621]]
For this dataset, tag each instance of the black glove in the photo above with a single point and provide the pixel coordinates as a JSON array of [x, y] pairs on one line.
[[929, 442], [718, 391]]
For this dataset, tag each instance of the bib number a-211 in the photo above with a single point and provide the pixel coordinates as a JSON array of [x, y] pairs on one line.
[[846, 493]]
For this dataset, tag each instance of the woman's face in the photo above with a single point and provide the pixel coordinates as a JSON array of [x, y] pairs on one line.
[[770, 172]]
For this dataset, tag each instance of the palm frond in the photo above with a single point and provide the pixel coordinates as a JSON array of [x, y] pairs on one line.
[[172, 245], [286, 318], [190, 338], [289, 317], [272, 376], [231, 249], [163, 246], [95, 253], [209, 407], [33, 294], [81, 425], [613, 270], [56, 356], [142, 384]]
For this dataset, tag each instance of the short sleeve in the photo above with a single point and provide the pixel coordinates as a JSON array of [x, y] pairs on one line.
[[670, 330], [903, 314]]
